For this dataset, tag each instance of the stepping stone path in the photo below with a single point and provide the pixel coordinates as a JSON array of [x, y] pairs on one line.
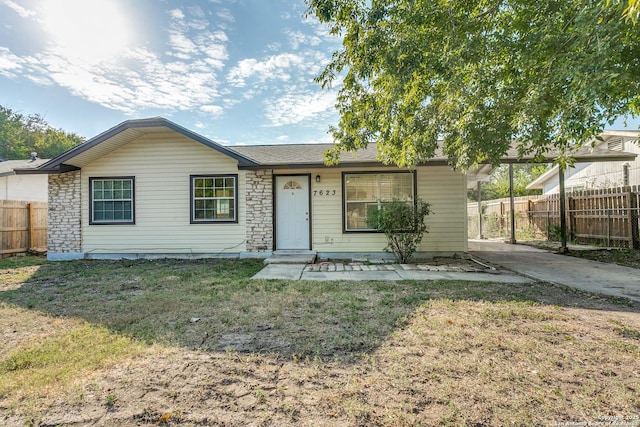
[[325, 266]]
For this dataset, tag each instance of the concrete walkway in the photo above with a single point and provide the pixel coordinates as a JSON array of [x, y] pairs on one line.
[[524, 262], [592, 276], [389, 272]]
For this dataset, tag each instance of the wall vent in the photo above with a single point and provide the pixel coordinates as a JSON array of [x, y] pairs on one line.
[[615, 144]]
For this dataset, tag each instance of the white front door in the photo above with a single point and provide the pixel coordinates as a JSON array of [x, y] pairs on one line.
[[292, 212]]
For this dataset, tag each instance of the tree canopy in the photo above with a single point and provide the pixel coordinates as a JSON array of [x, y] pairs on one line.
[[21, 135], [632, 10], [480, 75]]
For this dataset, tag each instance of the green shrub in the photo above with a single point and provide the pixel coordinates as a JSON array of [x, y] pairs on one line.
[[403, 223], [554, 232]]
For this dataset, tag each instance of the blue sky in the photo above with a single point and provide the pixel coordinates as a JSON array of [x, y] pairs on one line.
[[235, 71]]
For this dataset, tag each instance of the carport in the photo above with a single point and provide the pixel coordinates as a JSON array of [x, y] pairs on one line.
[[584, 154]]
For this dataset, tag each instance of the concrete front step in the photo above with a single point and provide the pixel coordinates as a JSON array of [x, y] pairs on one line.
[[292, 257]]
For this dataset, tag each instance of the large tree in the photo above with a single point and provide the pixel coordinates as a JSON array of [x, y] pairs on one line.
[[22, 135], [480, 74]]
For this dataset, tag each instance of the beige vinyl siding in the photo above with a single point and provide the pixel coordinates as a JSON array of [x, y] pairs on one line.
[[162, 165], [446, 190], [439, 185]]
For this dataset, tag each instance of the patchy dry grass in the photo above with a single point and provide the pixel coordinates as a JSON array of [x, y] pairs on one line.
[[199, 343], [626, 257]]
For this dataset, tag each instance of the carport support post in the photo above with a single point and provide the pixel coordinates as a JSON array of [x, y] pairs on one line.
[[513, 206], [563, 213]]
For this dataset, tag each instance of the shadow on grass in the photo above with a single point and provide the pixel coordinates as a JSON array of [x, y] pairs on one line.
[[214, 305]]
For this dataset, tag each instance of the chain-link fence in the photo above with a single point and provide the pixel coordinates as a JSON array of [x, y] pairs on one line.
[[608, 218]]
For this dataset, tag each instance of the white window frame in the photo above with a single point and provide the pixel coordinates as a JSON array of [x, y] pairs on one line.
[[374, 200], [113, 199], [222, 202]]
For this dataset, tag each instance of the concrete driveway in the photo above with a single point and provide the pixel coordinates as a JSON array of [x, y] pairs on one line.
[[592, 276]]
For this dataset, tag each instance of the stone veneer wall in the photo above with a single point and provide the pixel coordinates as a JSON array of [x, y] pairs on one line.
[[259, 206], [65, 233]]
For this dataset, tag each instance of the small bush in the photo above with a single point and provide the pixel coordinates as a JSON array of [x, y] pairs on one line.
[[554, 232], [403, 223]]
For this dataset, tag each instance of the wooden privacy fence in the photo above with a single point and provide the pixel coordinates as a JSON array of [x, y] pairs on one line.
[[23, 227], [608, 217]]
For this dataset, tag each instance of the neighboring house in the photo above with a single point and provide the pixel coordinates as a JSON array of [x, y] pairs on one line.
[[150, 187], [27, 187], [587, 176]]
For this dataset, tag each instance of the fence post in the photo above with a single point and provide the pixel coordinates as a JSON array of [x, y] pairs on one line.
[[563, 213], [608, 227], [634, 243], [502, 225], [572, 218], [512, 208], [1, 229], [29, 226]]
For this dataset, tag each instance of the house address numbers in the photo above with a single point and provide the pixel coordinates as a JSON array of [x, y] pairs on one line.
[[324, 193]]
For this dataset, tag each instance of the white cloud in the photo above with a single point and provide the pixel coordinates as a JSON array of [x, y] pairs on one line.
[[282, 138], [274, 67], [297, 38], [294, 108], [226, 15], [41, 80], [181, 43], [320, 29], [176, 14], [24, 13], [152, 84], [191, 38], [196, 11], [10, 64], [212, 110]]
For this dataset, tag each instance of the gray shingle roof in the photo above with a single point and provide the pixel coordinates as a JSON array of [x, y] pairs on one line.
[[298, 155], [8, 167]]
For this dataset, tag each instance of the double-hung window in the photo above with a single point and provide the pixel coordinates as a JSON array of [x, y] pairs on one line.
[[111, 200], [214, 198], [364, 194]]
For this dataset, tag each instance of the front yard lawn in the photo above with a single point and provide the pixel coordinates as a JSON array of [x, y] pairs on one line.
[[199, 343]]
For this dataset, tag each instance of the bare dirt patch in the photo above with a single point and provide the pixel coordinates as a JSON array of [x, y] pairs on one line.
[[221, 349]]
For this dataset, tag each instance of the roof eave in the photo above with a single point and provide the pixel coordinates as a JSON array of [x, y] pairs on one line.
[[258, 166], [143, 123], [63, 168]]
